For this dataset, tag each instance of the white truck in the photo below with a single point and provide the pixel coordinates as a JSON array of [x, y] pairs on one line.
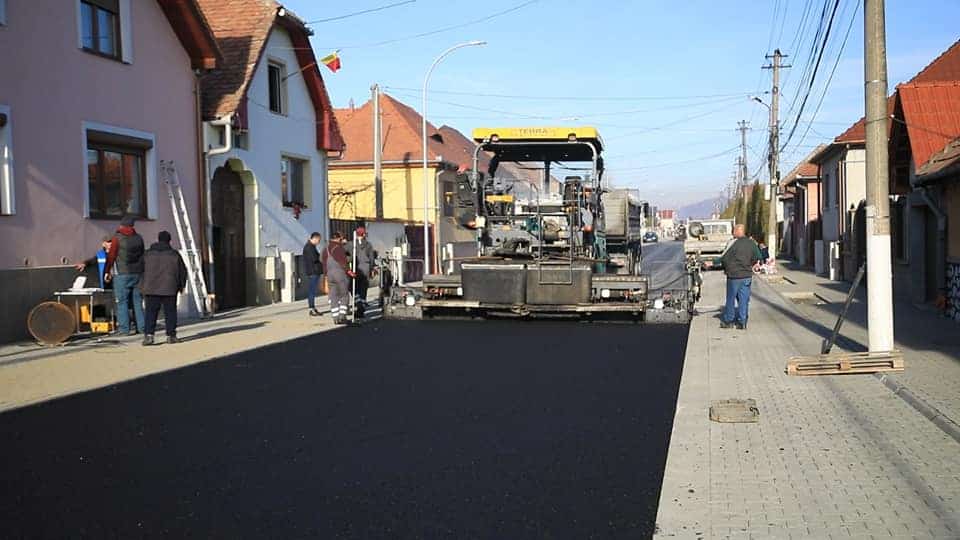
[[707, 236]]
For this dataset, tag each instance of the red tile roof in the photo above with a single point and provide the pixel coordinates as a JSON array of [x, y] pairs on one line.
[[242, 28], [857, 133], [932, 116], [462, 148], [943, 162], [945, 67], [806, 169], [400, 128]]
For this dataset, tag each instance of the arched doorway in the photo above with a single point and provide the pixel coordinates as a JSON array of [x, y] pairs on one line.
[[229, 263]]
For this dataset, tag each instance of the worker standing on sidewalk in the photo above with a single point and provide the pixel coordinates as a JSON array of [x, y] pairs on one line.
[[365, 258], [737, 261], [164, 277], [312, 269], [334, 260], [125, 268]]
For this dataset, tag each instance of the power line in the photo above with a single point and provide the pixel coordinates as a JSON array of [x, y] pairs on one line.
[[670, 124], [438, 30], [833, 71], [667, 164], [364, 12], [576, 98], [813, 75]]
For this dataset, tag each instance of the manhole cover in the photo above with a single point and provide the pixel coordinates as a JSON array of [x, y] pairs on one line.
[[806, 297], [734, 410]]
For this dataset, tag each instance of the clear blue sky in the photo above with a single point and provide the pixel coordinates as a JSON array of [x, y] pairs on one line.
[[677, 150]]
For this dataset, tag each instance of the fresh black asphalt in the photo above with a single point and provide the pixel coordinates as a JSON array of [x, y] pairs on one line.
[[395, 429]]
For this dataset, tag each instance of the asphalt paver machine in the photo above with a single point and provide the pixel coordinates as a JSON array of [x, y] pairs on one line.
[[541, 247]]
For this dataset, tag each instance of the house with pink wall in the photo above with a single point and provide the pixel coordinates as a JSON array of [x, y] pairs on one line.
[[94, 94], [801, 189]]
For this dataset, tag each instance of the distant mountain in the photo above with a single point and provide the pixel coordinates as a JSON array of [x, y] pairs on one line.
[[698, 210]]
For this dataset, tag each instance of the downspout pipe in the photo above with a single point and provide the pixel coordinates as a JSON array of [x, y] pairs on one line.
[[226, 122], [201, 168]]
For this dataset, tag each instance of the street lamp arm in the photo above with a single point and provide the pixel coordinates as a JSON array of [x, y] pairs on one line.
[[423, 134]]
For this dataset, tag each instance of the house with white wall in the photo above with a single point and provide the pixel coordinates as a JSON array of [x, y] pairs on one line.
[[269, 132], [93, 95], [843, 189]]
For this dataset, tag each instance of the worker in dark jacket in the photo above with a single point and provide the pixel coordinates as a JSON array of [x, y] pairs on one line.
[[737, 261], [366, 258], [312, 269], [125, 268], [334, 258], [164, 277]]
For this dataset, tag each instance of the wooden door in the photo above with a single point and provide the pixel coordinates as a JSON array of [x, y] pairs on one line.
[[230, 281]]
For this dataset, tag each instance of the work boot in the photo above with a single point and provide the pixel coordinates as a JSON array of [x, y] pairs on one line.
[[741, 326], [147, 340], [171, 340], [314, 312], [132, 333], [725, 325]]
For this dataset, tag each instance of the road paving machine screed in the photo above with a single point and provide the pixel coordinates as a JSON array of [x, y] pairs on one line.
[[543, 248]]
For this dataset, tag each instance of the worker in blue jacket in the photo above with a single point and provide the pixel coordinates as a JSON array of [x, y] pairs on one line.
[[100, 259]]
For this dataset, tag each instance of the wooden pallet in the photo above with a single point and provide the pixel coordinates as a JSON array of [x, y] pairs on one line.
[[846, 363]]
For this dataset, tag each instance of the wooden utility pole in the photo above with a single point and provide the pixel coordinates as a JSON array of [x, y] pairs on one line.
[[879, 277], [743, 127], [774, 156], [377, 152]]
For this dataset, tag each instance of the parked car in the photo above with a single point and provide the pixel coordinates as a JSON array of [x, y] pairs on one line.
[[650, 237]]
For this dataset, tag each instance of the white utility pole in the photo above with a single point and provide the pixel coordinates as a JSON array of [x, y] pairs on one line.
[[879, 277], [423, 133], [774, 158], [377, 151]]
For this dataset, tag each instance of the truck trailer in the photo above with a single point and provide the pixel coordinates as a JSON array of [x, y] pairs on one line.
[[552, 256], [624, 225]]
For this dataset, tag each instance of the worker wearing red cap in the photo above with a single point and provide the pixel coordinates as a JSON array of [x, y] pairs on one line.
[[366, 263]]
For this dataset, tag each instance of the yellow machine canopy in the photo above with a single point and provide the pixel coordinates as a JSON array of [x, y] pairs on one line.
[[540, 143]]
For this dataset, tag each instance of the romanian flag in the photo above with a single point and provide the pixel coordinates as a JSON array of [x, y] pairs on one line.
[[332, 61]]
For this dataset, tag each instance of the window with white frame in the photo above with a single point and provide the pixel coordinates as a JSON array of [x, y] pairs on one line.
[[100, 27], [116, 175], [277, 87], [294, 181], [104, 28], [7, 206]]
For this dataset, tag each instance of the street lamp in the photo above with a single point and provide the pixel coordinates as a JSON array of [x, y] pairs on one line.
[[760, 101], [426, 174]]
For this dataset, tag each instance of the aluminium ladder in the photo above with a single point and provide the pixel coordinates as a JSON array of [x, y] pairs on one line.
[[181, 218]]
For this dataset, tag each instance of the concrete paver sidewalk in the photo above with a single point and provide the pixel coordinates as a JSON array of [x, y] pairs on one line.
[[931, 343], [831, 457], [30, 373]]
